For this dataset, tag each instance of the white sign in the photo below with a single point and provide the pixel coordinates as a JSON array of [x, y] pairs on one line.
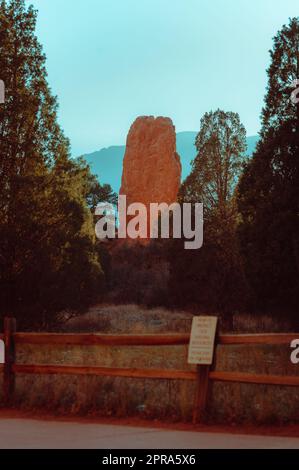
[[202, 339]]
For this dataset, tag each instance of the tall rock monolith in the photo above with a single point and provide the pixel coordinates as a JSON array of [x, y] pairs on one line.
[[151, 168]]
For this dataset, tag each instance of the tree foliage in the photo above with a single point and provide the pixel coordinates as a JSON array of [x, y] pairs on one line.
[[220, 145], [283, 70], [49, 262], [268, 193], [212, 277]]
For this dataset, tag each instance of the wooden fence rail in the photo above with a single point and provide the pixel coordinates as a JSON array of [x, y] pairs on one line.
[[12, 338], [86, 339]]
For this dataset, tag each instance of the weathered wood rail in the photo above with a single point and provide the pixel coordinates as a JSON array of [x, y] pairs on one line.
[[12, 339]]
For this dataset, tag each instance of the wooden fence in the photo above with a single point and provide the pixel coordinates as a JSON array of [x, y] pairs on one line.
[[203, 376]]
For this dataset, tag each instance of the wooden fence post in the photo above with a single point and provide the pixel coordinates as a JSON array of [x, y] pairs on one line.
[[203, 384], [9, 376], [201, 394]]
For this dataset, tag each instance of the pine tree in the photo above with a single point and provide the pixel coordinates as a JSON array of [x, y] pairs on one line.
[[283, 70], [48, 257], [268, 193], [212, 278], [220, 144]]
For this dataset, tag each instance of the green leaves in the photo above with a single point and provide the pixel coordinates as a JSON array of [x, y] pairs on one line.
[[220, 145], [268, 193], [283, 70], [47, 251], [212, 278]]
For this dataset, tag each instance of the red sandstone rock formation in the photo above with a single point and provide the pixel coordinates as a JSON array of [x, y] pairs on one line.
[[151, 167]]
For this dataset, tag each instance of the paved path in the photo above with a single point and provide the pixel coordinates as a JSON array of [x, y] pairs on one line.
[[28, 434]]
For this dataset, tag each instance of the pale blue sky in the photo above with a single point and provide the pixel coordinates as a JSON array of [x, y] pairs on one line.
[[112, 60]]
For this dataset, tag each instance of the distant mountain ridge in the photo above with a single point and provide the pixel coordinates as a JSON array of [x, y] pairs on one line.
[[107, 162]]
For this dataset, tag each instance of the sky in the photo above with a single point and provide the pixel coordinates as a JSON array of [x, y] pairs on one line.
[[110, 61]]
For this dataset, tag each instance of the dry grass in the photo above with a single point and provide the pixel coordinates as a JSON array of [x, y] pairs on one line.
[[128, 319], [246, 323], [132, 318], [162, 399], [158, 399]]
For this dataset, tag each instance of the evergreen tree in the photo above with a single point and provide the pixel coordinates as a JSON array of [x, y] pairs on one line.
[[48, 256], [220, 145], [283, 70], [212, 278], [268, 193]]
